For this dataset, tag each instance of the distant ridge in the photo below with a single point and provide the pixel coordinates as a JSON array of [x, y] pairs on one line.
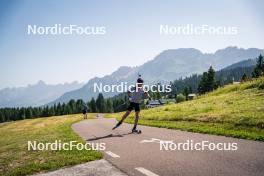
[[34, 95]]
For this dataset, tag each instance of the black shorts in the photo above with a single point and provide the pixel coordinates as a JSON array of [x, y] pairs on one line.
[[84, 111], [132, 106]]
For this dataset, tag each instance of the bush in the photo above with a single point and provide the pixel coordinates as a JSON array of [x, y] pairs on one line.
[[180, 98], [261, 86]]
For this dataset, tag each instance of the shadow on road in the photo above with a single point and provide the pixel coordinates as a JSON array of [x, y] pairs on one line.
[[108, 136]]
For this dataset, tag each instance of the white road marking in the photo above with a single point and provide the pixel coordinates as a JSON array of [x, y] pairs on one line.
[[145, 171], [155, 140], [112, 154]]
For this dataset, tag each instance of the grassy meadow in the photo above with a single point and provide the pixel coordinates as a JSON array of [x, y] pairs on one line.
[[15, 159], [235, 110]]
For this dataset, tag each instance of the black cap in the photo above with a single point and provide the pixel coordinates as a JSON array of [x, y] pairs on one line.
[[140, 80]]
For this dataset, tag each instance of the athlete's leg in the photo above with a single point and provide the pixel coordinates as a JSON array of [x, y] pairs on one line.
[[123, 118], [136, 119], [125, 115]]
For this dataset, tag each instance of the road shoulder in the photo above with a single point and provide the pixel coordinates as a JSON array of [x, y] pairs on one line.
[[95, 168]]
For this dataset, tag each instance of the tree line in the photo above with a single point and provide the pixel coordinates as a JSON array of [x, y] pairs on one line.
[[198, 83], [209, 82], [100, 104]]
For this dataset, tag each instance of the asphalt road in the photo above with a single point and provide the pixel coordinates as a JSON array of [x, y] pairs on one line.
[[140, 154]]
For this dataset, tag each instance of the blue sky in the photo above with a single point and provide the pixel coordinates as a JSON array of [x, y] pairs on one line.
[[132, 36]]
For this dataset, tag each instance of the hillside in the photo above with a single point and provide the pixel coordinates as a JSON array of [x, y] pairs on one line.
[[234, 110], [244, 63], [224, 76], [167, 66]]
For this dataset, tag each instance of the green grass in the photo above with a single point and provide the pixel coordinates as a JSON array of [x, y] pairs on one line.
[[15, 159], [234, 110]]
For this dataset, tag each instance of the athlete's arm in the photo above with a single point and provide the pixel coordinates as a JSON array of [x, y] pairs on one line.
[[128, 93], [146, 95]]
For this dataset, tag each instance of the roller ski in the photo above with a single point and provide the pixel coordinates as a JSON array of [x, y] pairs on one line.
[[136, 131]]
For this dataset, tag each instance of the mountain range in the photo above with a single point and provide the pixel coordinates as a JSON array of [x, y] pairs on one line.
[[167, 66], [34, 95]]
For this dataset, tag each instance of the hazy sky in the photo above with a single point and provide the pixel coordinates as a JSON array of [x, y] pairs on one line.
[[132, 35]]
